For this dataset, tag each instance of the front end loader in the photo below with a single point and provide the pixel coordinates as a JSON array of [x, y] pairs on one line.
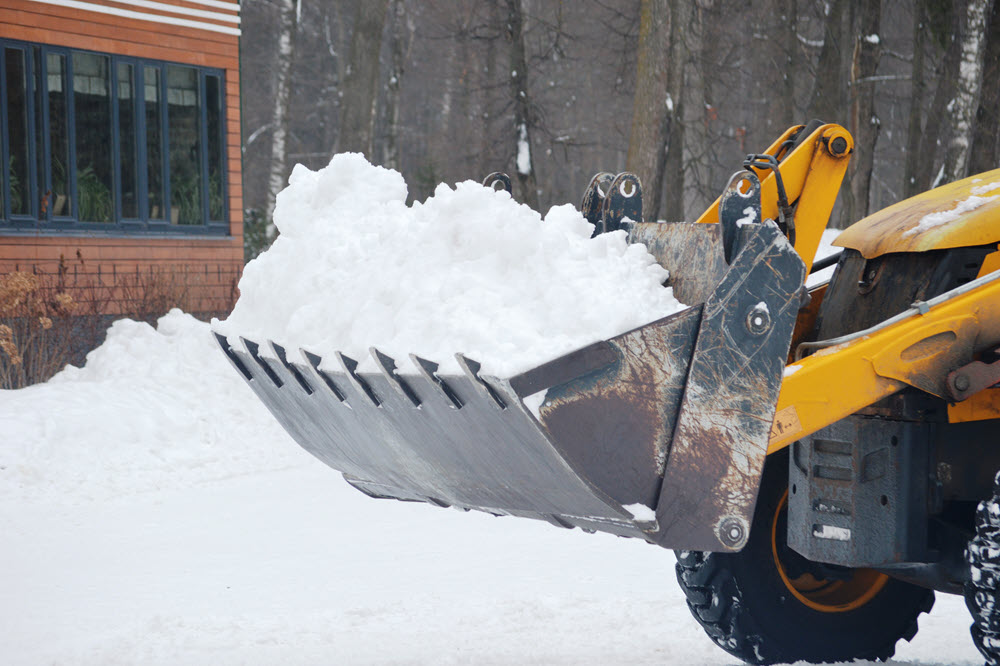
[[815, 455]]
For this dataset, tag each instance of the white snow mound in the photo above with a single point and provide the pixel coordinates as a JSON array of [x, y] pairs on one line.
[[468, 271], [152, 408]]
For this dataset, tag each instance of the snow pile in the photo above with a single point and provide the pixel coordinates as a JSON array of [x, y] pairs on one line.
[[467, 271], [152, 408], [932, 220], [825, 249]]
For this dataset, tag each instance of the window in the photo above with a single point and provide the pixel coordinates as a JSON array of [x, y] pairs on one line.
[[92, 141]]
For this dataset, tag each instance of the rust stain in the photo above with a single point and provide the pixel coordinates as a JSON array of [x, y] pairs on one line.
[[891, 229]]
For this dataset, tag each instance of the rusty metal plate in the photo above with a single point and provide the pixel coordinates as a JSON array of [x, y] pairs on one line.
[[720, 442], [692, 253]]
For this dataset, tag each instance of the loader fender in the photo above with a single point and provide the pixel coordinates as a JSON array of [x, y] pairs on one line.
[[959, 214]]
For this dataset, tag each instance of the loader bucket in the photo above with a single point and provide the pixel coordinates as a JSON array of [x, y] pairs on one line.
[[658, 433]]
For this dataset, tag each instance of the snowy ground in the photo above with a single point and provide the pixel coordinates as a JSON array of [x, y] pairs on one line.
[[152, 513]]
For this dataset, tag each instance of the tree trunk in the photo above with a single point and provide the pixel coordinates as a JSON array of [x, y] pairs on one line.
[[969, 84], [930, 137], [358, 105], [917, 92], [680, 18], [827, 100], [279, 117], [401, 37], [986, 139], [864, 123], [523, 157], [652, 106], [789, 44]]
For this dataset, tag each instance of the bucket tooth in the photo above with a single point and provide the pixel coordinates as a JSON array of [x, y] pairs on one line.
[[349, 366], [471, 369], [231, 355], [429, 370], [292, 368], [387, 365], [254, 350], [314, 362]]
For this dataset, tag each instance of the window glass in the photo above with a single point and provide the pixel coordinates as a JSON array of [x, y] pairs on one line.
[[126, 141], [154, 141], [92, 106], [57, 90], [213, 116], [98, 138], [184, 132], [17, 131], [34, 72]]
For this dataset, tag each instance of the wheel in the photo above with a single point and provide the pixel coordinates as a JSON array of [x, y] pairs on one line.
[[767, 604], [983, 556]]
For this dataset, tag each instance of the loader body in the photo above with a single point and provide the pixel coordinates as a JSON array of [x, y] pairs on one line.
[[864, 411]]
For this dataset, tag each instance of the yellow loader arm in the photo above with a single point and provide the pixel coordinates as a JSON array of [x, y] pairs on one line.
[[925, 347], [809, 171]]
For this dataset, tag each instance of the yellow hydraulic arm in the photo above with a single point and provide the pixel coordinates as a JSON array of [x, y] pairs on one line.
[[811, 173], [918, 347]]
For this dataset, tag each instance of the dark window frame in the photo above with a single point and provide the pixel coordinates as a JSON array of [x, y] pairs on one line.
[[39, 141]]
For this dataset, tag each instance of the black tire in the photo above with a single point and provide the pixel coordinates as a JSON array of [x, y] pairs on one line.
[[745, 605], [983, 557]]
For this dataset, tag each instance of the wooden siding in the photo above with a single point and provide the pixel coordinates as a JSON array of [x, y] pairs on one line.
[[204, 269]]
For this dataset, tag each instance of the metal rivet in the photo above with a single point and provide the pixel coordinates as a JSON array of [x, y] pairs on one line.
[[962, 382], [732, 532], [758, 320]]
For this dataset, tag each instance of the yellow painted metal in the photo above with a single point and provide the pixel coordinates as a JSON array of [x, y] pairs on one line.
[[920, 350], [811, 174], [979, 407], [923, 222], [825, 596], [990, 263]]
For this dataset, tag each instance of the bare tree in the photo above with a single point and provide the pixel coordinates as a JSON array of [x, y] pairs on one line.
[[827, 99], [935, 115], [986, 140], [400, 39], [279, 118], [680, 19], [962, 110], [585, 99], [524, 161], [864, 124], [653, 107], [918, 86], [360, 88]]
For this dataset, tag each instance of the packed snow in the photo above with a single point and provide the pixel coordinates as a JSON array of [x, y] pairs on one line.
[[980, 195], [154, 513], [467, 271]]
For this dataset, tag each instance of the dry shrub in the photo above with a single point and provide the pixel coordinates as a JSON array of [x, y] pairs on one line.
[[150, 294], [35, 328], [49, 320]]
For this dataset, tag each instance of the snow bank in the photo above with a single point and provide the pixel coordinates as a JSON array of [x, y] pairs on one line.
[[467, 271], [152, 408]]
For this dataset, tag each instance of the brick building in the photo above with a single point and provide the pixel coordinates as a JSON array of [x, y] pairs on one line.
[[120, 147]]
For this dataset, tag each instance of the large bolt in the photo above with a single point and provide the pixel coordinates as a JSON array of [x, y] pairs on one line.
[[838, 146], [962, 382]]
